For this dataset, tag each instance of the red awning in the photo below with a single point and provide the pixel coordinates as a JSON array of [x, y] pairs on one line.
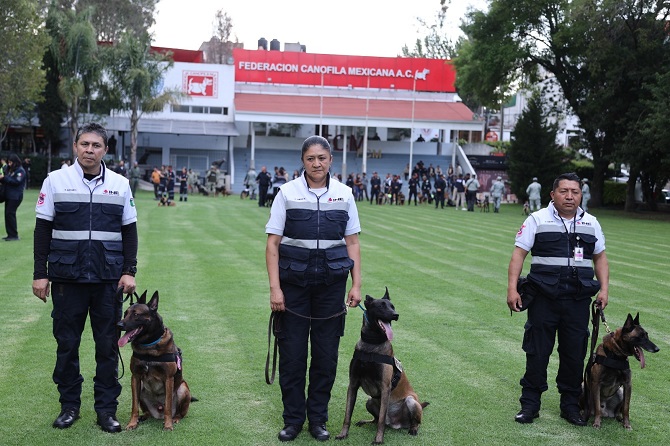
[[334, 107]]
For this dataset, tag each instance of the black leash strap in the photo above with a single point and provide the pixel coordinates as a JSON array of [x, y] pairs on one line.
[[269, 379], [596, 314], [120, 300]]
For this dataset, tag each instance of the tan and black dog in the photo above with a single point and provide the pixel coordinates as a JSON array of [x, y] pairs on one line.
[[157, 384], [393, 401], [608, 383]]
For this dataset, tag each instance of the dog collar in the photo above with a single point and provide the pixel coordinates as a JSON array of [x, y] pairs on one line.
[[151, 344]]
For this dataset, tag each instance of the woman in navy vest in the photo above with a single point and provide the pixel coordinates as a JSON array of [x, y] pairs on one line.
[[312, 248]]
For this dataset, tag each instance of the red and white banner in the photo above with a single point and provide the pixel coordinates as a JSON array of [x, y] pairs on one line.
[[294, 68], [201, 83]]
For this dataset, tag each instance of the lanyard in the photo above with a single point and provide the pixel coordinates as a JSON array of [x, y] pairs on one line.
[[574, 227]]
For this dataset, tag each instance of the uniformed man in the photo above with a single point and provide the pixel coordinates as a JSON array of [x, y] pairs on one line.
[[534, 198], [134, 175], [497, 191], [86, 233], [567, 247]]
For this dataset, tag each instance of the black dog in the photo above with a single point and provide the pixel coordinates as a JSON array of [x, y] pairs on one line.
[[393, 401], [157, 383], [608, 384]]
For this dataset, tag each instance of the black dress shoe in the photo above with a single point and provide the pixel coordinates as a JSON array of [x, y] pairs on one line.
[[290, 432], [574, 418], [526, 416], [319, 432], [66, 418], [109, 423]]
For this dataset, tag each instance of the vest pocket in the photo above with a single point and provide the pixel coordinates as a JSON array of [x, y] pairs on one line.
[[62, 260], [113, 260], [292, 271], [339, 265]]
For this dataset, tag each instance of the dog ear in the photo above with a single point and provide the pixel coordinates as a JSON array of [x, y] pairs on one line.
[[386, 295], [628, 325], [368, 299], [153, 303], [636, 321], [143, 298]]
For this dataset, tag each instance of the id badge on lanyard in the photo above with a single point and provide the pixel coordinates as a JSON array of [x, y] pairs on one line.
[[579, 252]]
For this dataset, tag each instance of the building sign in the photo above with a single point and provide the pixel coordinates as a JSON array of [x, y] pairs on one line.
[[488, 162], [294, 68], [201, 83]]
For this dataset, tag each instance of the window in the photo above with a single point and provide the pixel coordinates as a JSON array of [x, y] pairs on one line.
[[180, 109]]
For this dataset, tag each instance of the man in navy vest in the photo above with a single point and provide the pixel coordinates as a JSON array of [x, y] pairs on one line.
[[567, 247], [86, 246]]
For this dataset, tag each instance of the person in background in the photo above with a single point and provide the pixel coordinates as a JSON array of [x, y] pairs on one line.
[[471, 187], [85, 244], [497, 191], [568, 248], [27, 164], [586, 194], [156, 176], [459, 192], [312, 247], [183, 184], [413, 185], [264, 179], [14, 180], [440, 185], [375, 188], [250, 182], [134, 175], [121, 169], [534, 198]]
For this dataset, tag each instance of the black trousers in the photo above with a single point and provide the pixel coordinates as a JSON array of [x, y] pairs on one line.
[[323, 335], [569, 318], [10, 217], [412, 193], [72, 302], [374, 196], [439, 199], [262, 195], [471, 198]]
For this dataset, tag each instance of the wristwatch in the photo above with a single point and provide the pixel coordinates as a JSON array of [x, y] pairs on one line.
[[131, 271]]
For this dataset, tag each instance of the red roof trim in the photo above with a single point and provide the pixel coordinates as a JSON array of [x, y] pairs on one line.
[[351, 108]]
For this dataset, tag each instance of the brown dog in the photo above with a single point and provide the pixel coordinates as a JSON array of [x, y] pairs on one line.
[[157, 384], [608, 384], [393, 401]]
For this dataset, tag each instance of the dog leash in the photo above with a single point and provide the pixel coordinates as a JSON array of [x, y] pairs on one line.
[[121, 301], [596, 314], [270, 376]]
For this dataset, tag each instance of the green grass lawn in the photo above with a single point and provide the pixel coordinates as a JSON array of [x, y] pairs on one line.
[[446, 274]]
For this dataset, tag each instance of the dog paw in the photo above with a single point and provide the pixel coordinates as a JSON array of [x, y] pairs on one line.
[[168, 428], [596, 425], [414, 431], [342, 436], [131, 426]]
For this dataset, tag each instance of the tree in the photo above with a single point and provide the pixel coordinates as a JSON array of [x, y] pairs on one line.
[[533, 151], [21, 76], [220, 48], [434, 45], [590, 48], [75, 53], [112, 18], [134, 81]]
